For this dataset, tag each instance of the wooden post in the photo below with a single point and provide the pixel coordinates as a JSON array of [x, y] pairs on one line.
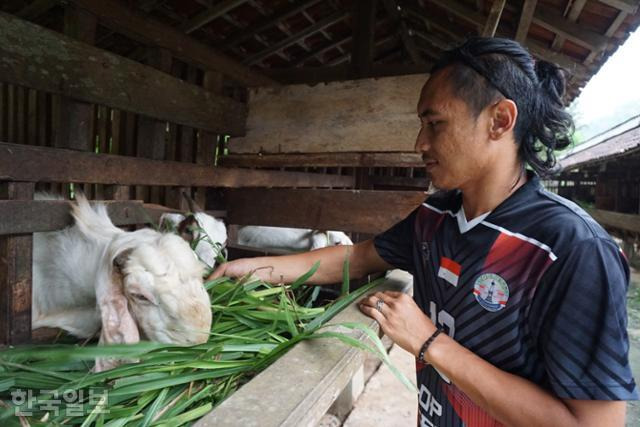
[[75, 120], [207, 141], [15, 274], [184, 150], [152, 133], [363, 18]]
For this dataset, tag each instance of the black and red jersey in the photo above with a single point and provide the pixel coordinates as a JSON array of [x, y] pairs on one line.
[[536, 287]]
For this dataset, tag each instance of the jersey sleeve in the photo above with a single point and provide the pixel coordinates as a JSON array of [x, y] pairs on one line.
[[395, 245], [584, 339]]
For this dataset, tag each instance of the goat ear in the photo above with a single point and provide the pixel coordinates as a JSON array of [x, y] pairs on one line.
[[186, 227], [118, 326], [120, 260]]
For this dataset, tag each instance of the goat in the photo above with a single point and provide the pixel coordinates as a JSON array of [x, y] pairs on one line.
[[289, 239], [93, 276]]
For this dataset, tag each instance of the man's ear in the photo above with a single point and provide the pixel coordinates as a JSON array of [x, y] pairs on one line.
[[502, 120]]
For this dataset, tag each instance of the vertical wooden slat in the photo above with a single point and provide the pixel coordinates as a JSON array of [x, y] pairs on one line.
[[42, 119], [207, 141], [32, 123], [184, 150], [118, 137], [75, 122], [152, 133], [15, 275], [3, 112], [11, 114], [21, 123]]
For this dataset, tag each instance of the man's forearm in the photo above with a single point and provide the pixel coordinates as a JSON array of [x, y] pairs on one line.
[[509, 398]]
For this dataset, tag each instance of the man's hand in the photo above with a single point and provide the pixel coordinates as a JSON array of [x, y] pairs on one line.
[[400, 319], [233, 269]]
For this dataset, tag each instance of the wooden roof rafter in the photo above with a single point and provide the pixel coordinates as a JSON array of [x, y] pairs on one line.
[[328, 21], [394, 12]]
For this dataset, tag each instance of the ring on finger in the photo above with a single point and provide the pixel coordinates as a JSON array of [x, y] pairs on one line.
[[379, 305]]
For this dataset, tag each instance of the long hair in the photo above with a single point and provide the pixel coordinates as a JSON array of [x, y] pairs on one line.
[[483, 70]]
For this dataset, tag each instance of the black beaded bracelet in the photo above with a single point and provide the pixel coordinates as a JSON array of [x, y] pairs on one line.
[[426, 345]]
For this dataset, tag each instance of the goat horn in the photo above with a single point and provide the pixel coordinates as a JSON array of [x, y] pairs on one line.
[[193, 206]]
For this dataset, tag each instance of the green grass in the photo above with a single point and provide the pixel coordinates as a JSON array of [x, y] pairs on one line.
[[254, 323]]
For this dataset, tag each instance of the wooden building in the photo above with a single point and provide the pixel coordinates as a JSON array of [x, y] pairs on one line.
[[272, 112], [603, 175]]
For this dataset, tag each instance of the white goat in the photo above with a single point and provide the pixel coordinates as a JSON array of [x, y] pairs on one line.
[[209, 233], [94, 277], [289, 239]]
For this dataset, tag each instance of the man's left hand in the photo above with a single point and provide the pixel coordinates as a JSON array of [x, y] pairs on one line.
[[400, 319]]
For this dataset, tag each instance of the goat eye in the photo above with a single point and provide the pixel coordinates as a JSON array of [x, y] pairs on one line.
[[140, 298]]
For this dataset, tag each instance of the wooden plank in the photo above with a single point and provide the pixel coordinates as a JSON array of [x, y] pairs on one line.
[[320, 370], [152, 133], [491, 24], [366, 115], [347, 210], [207, 142], [363, 17], [294, 38], [616, 220], [33, 216], [89, 74], [572, 15], [268, 22], [15, 275], [36, 8], [32, 116], [627, 6], [211, 14], [526, 16], [399, 181], [44, 164], [391, 7], [368, 159], [141, 27]]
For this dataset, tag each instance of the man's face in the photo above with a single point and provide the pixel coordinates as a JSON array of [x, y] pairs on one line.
[[451, 140]]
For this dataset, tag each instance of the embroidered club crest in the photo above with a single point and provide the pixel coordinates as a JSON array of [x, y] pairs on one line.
[[491, 291]]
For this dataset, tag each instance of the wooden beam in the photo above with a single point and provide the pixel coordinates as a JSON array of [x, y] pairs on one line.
[[472, 16], [493, 19], [553, 21], [313, 75], [15, 275], [399, 181], [35, 9], [363, 16], [320, 51], [142, 28], [319, 25], [75, 122], [365, 115], [347, 210], [628, 6], [324, 160], [616, 220], [211, 14], [43, 164], [572, 15], [526, 16], [34, 216], [280, 15], [393, 10], [42, 59]]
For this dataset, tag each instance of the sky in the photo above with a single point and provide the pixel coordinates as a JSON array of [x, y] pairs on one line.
[[613, 94]]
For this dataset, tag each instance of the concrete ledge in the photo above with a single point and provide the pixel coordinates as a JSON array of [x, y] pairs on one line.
[[298, 389]]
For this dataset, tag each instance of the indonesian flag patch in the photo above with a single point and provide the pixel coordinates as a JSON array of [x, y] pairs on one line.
[[449, 270]]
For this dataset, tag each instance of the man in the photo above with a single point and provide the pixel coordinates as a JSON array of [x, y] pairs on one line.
[[527, 289]]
